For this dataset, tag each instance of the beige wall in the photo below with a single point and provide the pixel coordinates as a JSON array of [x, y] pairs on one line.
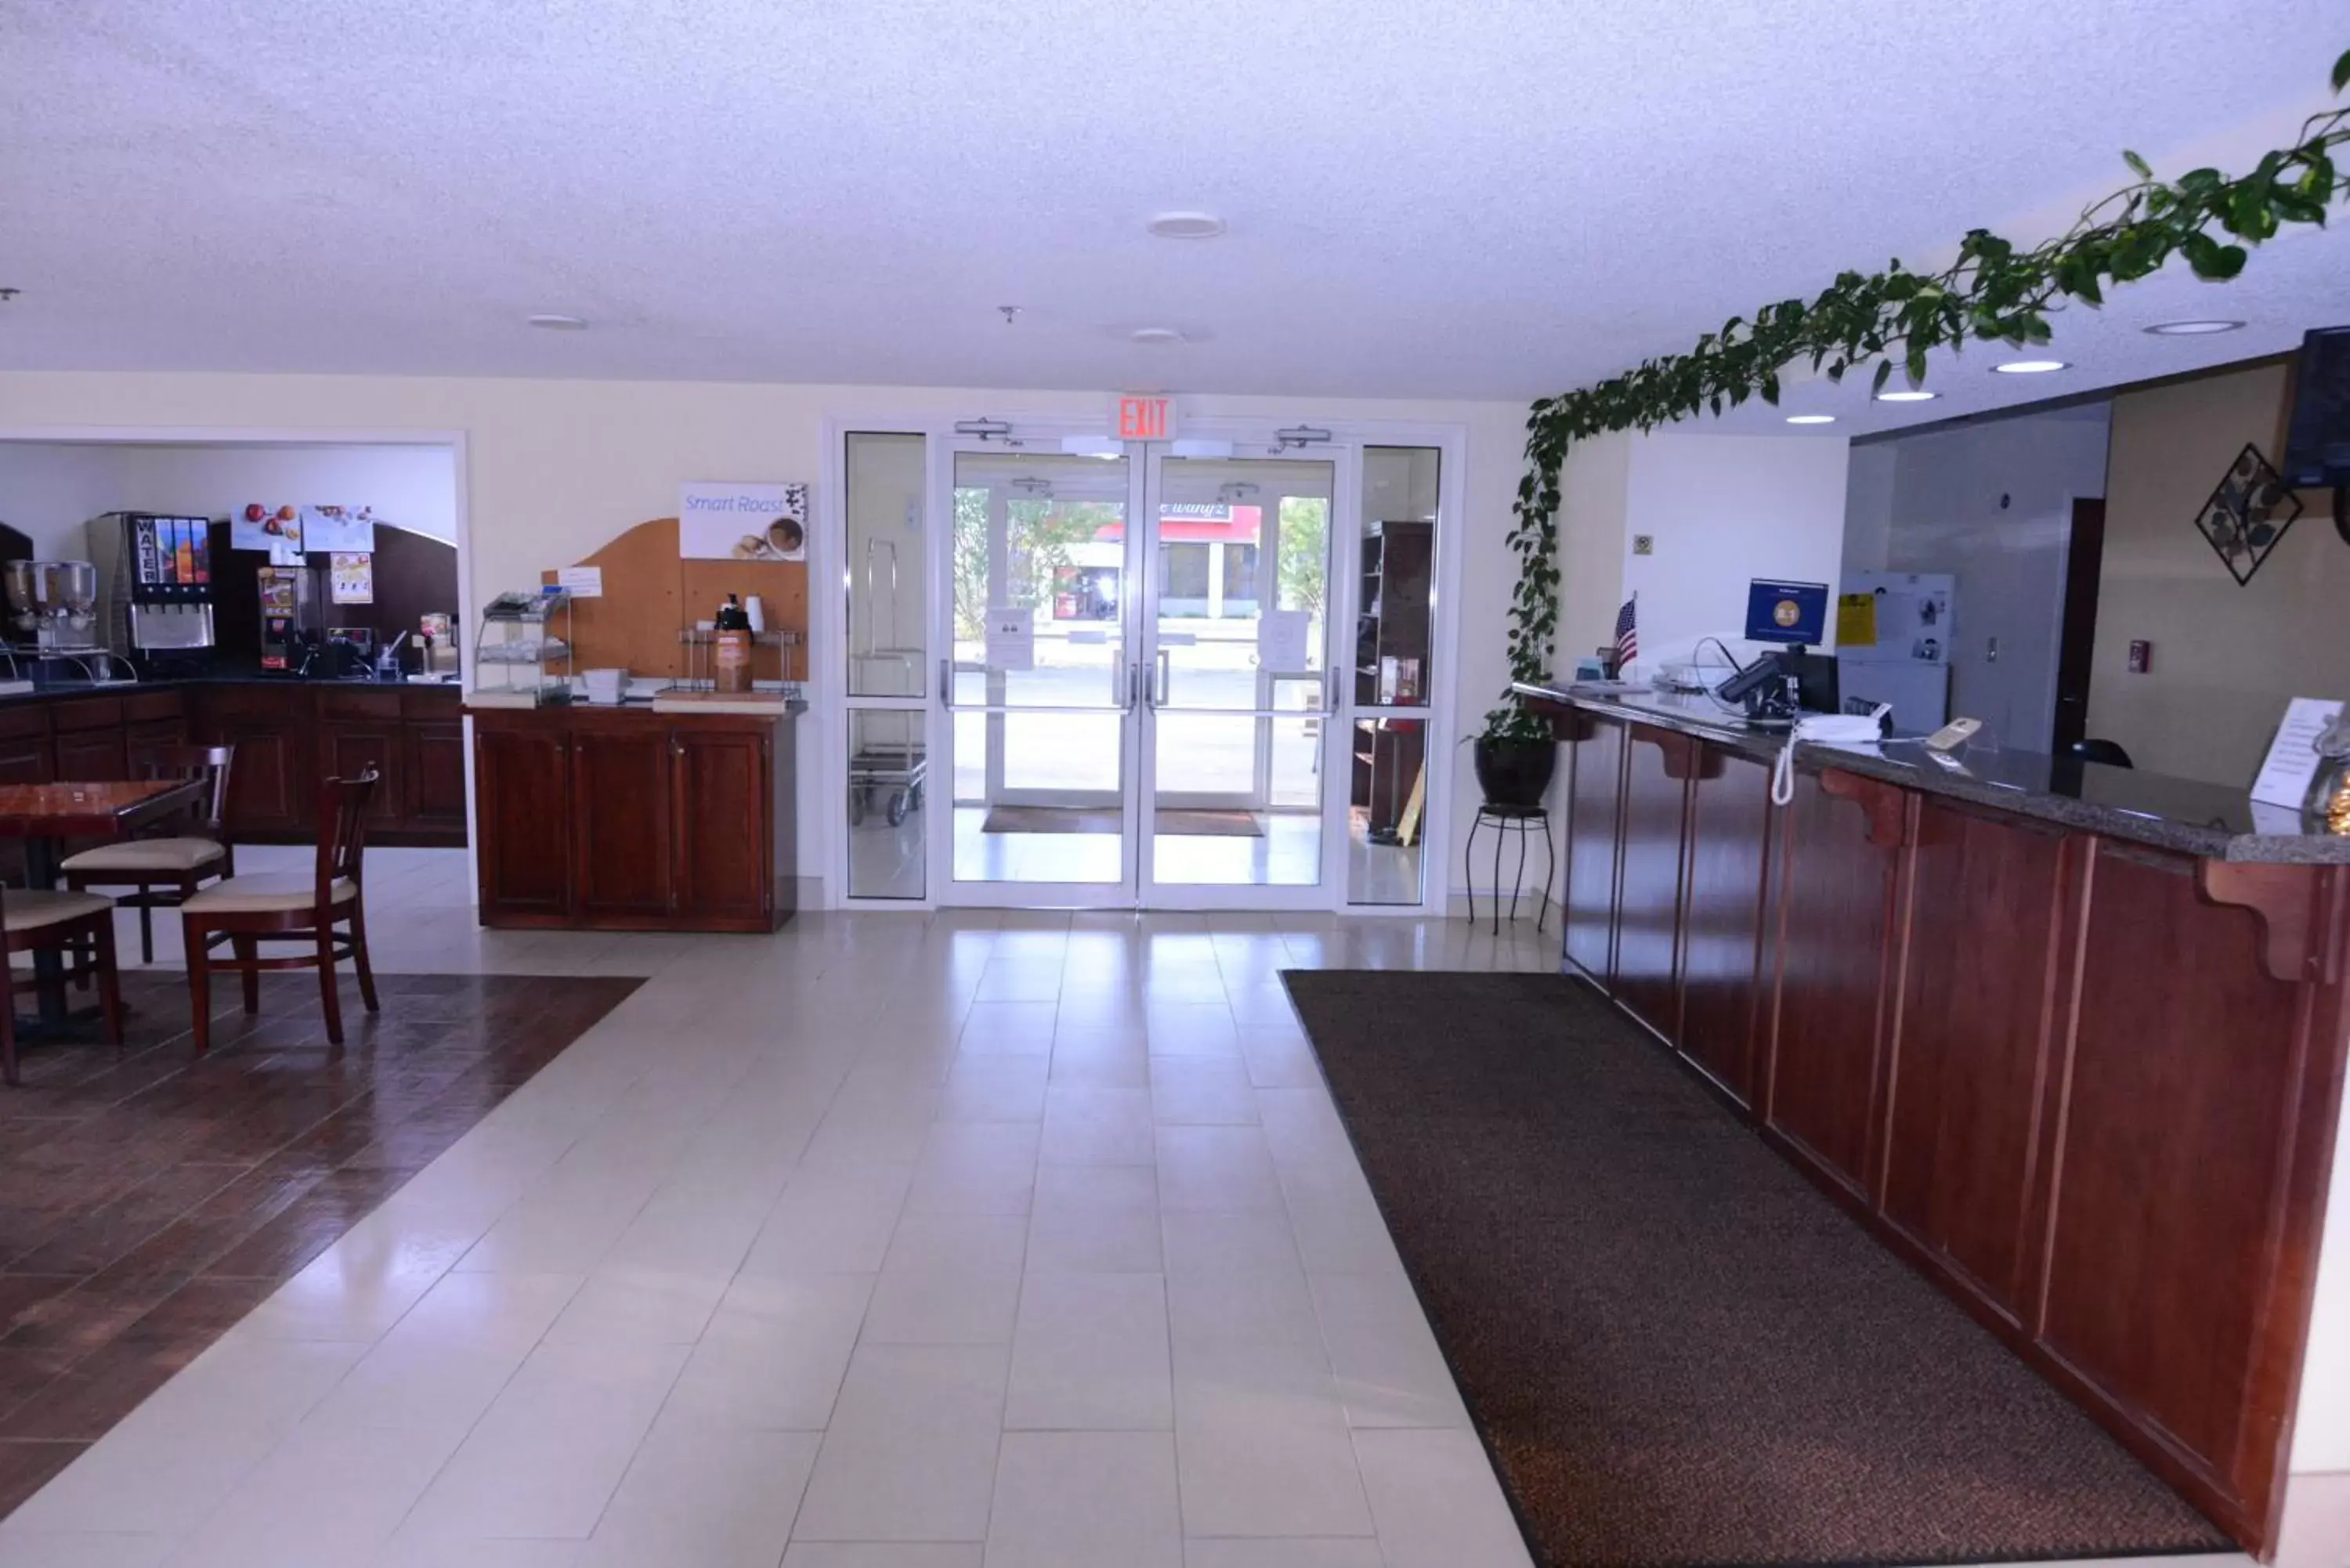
[[2225, 658], [556, 468]]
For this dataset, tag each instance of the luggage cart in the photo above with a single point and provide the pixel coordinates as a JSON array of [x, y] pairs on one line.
[[892, 775]]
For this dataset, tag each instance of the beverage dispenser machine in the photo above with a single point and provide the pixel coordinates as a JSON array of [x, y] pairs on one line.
[[155, 581]]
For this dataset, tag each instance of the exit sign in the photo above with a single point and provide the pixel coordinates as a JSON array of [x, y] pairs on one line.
[[1144, 418]]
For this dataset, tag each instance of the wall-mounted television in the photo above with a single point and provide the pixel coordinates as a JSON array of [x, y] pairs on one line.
[[2318, 441]]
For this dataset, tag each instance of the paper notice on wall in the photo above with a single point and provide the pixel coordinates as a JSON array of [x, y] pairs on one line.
[[1011, 638], [2285, 778], [1855, 620], [1281, 636], [581, 582], [285, 553], [349, 529], [350, 577]]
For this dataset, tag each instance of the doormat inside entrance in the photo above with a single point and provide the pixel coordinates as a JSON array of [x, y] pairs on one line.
[[1086, 819], [1677, 1351]]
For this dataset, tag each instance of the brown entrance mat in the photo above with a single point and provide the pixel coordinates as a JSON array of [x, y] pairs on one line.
[[1085, 819], [148, 1201], [1675, 1350]]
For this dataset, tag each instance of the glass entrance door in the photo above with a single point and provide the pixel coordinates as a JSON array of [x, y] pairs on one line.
[[1238, 695], [1140, 702]]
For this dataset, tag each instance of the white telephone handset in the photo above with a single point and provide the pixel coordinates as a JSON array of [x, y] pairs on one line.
[[1825, 729]]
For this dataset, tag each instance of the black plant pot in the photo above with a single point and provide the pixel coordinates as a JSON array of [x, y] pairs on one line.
[[1514, 772]]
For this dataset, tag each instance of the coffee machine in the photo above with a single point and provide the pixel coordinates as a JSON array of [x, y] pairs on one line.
[[155, 581]]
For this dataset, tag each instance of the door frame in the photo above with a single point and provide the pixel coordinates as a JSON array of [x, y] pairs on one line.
[[827, 782]]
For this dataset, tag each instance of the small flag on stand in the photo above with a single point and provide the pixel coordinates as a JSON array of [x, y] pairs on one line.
[[1628, 634]]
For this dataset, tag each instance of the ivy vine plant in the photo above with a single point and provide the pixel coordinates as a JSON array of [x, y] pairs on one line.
[[1995, 291]]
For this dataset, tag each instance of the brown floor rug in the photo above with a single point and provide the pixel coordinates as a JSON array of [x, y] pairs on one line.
[[1083, 819], [1677, 1351]]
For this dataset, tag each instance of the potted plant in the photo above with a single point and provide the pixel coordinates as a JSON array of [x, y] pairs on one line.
[[1514, 754]]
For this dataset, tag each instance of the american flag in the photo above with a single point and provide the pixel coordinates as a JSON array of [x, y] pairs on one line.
[[1627, 634]]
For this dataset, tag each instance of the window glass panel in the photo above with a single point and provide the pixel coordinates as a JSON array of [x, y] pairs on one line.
[[1392, 628], [888, 790], [1386, 763], [889, 609]]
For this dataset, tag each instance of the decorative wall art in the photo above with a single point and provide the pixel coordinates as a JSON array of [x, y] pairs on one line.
[[2246, 514]]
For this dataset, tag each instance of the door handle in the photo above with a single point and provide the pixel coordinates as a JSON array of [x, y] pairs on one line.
[[1133, 683], [946, 682], [1330, 692]]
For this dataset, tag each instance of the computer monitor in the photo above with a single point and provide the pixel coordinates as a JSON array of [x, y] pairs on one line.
[[1791, 613]]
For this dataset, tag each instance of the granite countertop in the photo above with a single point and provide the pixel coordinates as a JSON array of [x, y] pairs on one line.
[[2211, 821], [64, 691]]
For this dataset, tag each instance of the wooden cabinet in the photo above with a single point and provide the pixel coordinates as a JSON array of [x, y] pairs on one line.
[[1824, 1067], [1723, 916], [1656, 767], [665, 822], [2089, 1088], [1973, 1049], [291, 737], [90, 743], [523, 774], [435, 765], [620, 824], [1595, 795], [723, 823]]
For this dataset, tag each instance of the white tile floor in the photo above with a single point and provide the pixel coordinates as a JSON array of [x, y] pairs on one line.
[[998, 1241]]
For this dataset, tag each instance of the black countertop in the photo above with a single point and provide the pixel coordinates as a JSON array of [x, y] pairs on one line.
[[2192, 817], [232, 675]]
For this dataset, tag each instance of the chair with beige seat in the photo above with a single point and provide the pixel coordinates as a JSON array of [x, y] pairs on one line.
[[164, 872], [82, 926], [246, 912]]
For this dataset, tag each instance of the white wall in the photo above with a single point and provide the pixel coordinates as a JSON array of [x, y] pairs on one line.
[[1991, 504], [1723, 510], [55, 487], [554, 469], [47, 491]]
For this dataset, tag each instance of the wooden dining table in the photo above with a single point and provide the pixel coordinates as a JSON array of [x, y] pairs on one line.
[[47, 816]]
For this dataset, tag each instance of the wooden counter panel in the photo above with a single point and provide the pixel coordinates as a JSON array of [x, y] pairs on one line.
[[523, 777], [1647, 907], [1594, 798], [1973, 1053], [1721, 923], [620, 799], [1837, 919], [2181, 1096]]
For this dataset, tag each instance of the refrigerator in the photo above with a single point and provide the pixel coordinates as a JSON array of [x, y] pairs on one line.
[[1893, 644]]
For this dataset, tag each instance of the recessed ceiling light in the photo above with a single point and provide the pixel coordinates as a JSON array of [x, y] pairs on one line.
[[1811, 419], [2029, 366], [2191, 328], [554, 323], [1187, 225], [1916, 395], [1156, 337]]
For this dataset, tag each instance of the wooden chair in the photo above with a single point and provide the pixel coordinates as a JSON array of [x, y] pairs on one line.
[[165, 871], [246, 912], [82, 925]]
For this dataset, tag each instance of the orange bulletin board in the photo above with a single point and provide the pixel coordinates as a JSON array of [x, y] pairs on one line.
[[649, 594]]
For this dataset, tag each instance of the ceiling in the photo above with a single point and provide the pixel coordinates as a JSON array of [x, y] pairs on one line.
[[1496, 200]]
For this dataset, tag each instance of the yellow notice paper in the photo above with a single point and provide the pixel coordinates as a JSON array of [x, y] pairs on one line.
[[1855, 620]]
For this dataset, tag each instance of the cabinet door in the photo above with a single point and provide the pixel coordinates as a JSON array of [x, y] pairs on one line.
[[1721, 916], [1973, 1053], [1649, 879], [436, 778], [620, 796], [92, 755], [271, 789], [1593, 799], [348, 750], [146, 744], [724, 835], [1826, 1066], [524, 853]]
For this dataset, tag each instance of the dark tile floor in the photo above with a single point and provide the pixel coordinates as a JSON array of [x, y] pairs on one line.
[[147, 1201]]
